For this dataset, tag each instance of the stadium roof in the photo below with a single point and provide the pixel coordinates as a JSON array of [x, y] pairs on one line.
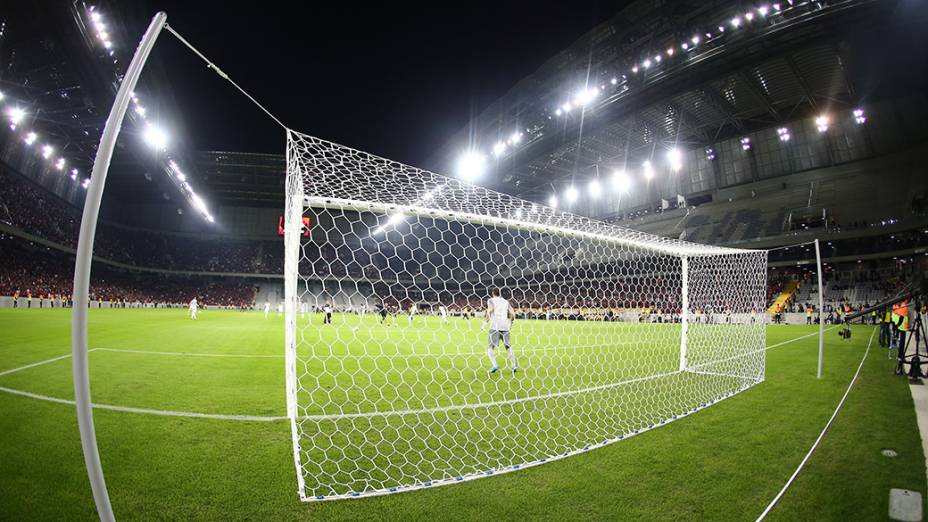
[[662, 74]]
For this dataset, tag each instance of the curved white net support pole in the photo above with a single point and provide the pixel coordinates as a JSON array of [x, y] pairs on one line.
[[81, 293], [617, 331]]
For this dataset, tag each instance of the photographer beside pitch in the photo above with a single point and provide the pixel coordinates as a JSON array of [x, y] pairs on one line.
[[499, 318]]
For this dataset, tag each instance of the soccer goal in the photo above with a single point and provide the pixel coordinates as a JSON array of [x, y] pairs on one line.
[[616, 331]]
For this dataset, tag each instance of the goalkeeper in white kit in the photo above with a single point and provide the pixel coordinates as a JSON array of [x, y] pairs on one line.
[[499, 318], [193, 308]]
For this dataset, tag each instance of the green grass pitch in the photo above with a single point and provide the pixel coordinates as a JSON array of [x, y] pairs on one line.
[[722, 463]]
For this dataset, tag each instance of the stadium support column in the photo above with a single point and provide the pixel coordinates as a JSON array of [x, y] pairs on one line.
[[684, 310], [82, 264], [821, 311]]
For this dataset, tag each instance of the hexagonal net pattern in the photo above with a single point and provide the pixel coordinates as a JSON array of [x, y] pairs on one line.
[[610, 331]]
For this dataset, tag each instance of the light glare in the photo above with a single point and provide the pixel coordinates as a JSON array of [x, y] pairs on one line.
[[155, 137], [471, 165]]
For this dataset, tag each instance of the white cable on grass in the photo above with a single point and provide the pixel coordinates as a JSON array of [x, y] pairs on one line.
[[820, 435]]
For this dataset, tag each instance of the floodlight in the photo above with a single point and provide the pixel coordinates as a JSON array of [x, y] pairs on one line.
[[594, 188], [567, 107], [552, 201], [859, 116], [621, 182], [648, 170], [74, 174], [16, 115], [670, 51], [471, 165], [571, 194], [95, 16], [516, 137], [736, 22], [657, 58], [30, 138], [586, 95], [684, 46], [557, 112], [695, 39], [710, 153], [612, 81], [675, 157], [85, 183], [499, 148], [47, 151], [59, 164], [776, 7], [783, 133], [646, 63], [763, 10], [209, 218], [155, 137], [140, 110], [748, 16], [635, 69], [107, 44], [745, 143], [821, 123]]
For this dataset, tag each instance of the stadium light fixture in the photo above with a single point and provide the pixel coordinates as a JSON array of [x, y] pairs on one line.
[[621, 182], [646, 63], [59, 164], [670, 51], [47, 151], [675, 157], [74, 173], [635, 69], [763, 10], [155, 137], [684, 46], [749, 16], [30, 138], [821, 122], [557, 112], [721, 28], [657, 59], [612, 81], [471, 165], [776, 7], [710, 153], [736, 22], [567, 107], [95, 16], [85, 183], [552, 201], [695, 39], [859, 116], [499, 149], [16, 115], [595, 188], [648, 170], [783, 133], [745, 143], [571, 194], [2, 96], [140, 110], [516, 137], [586, 96]]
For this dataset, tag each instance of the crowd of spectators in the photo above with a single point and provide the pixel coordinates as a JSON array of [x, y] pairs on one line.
[[31, 270], [38, 213]]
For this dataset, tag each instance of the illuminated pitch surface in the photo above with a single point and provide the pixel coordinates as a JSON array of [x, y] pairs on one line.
[[725, 462]]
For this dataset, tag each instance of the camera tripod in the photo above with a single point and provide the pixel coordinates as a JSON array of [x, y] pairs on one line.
[[917, 358]]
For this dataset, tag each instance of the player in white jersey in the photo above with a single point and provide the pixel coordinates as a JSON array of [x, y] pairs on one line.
[[412, 312], [267, 308], [499, 318], [444, 313], [193, 308], [328, 314]]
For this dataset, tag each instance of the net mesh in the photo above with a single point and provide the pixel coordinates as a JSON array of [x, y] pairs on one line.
[[615, 331]]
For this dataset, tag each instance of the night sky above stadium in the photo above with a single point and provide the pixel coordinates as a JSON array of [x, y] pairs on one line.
[[395, 80]]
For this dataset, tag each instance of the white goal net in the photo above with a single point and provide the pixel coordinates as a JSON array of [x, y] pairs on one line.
[[389, 383]]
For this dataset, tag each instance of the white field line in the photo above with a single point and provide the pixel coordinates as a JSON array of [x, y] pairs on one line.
[[260, 418], [820, 435], [33, 365], [192, 354], [755, 352], [129, 409]]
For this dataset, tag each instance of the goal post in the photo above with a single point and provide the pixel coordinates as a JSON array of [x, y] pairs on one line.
[[616, 331]]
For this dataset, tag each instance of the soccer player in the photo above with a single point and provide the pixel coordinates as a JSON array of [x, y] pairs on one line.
[[412, 312], [267, 308], [444, 313], [499, 318], [193, 308], [327, 309]]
